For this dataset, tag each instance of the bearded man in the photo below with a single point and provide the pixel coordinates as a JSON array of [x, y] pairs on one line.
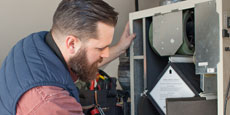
[[37, 77]]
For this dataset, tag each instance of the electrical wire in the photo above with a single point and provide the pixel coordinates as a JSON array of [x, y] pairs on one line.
[[226, 98]]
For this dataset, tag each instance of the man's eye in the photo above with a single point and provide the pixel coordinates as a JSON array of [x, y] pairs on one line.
[[100, 49]]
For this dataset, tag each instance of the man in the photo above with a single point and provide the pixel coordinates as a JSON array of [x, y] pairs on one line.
[[37, 77]]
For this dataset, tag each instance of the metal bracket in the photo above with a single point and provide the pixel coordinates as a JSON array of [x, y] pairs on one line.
[[225, 33]]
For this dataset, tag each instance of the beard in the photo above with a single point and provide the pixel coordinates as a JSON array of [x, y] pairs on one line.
[[81, 68]]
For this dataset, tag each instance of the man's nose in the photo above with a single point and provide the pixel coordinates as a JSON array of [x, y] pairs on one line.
[[105, 52]]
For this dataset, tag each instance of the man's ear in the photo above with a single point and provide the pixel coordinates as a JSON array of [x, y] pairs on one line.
[[73, 44]]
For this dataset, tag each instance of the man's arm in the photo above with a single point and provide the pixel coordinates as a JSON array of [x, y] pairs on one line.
[[48, 100], [120, 47]]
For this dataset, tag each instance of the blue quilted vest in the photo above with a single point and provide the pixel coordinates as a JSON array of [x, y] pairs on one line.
[[31, 63]]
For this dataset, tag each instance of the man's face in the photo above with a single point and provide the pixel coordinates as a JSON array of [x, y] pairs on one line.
[[85, 63]]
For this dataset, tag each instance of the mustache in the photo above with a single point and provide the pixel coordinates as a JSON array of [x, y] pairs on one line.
[[100, 60]]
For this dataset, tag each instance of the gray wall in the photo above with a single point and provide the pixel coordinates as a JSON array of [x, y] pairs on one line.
[[19, 18], [145, 4]]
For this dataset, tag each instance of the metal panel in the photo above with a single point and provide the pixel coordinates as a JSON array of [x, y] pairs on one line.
[[145, 32], [137, 64], [208, 83], [206, 37], [191, 106], [187, 4], [181, 59], [138, 81], [167, 33], [138, 42]]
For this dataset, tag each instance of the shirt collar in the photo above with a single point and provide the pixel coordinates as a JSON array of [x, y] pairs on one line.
[[51, 43]]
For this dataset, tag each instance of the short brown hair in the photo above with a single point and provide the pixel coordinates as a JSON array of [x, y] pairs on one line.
[[80, 17]]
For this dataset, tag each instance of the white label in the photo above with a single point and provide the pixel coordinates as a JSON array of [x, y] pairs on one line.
[[203, 64], [170, 86], [211, 70]]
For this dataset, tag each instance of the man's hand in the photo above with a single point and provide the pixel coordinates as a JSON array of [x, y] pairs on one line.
[[125, 39], [120, 47]]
